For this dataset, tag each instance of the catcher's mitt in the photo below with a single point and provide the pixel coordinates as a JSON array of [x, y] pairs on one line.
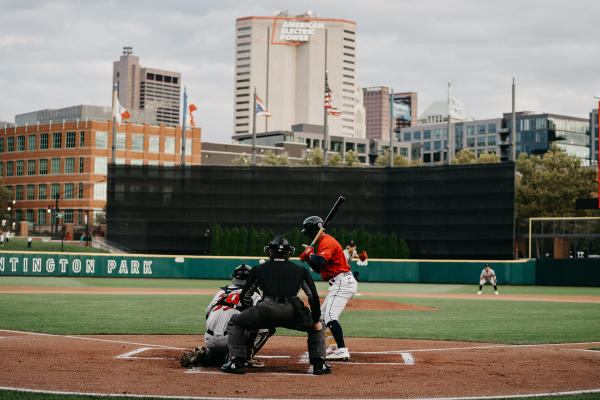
[[197, 356], [363, 256]]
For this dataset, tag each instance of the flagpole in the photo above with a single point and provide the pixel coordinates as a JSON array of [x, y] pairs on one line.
[[254, 130], [114, 130], [449, 146], [514, 125], [267, 78], [325, 146], [183, 127], [391, 160]]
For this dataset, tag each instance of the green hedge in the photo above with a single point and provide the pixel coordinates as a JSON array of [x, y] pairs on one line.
[[250, 242]]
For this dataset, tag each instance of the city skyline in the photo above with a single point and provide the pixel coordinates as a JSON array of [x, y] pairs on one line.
[[409, 46]]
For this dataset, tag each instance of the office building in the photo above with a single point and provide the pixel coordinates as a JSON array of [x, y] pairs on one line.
[[285, 58], [594, 137], [69, 158], [146, 88], [377, 107]]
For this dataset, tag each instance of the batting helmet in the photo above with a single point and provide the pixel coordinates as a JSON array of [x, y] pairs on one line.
[[279, 247], [240, 274], [312, 225]]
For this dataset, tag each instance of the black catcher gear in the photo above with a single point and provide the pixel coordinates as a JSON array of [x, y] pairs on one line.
[[279, 247], [311, 226], [240, 274]]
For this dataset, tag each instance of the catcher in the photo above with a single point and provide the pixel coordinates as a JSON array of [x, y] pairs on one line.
[[221, 308], [488, 276]]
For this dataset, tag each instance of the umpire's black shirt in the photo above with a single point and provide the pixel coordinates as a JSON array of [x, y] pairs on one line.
[[282, 279]]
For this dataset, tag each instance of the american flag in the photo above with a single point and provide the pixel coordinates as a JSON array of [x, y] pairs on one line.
[[331, 110]]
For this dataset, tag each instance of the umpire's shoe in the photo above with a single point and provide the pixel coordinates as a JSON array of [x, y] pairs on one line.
[[320, 367], [233, 367]]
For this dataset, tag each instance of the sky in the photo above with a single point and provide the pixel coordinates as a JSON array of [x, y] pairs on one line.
[[60, 53]]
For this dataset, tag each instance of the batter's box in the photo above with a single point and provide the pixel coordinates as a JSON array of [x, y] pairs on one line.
[[373, 358]]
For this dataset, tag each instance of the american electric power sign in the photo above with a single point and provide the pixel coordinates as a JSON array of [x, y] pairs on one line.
[[293, 32]]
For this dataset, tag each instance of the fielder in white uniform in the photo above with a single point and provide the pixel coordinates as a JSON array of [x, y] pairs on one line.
[[220, 309], [488, 276]]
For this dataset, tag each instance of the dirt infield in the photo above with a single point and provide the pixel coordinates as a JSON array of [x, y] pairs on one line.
[[378, 368]]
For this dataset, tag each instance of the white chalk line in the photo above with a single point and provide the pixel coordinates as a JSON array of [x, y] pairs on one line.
[[130, 355], [95, 339], [499, 346], [200, 370], [517, 396]]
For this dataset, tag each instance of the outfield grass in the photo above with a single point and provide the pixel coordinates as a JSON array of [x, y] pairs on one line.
[[39, 245]]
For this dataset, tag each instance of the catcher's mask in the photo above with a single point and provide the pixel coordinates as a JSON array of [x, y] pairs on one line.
[[240, 274], [311, 226], [279, 247]]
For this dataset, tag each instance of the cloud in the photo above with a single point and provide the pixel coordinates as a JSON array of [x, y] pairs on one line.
[[60, 53]]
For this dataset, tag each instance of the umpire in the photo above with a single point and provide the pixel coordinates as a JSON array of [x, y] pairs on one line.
[[280, 281]]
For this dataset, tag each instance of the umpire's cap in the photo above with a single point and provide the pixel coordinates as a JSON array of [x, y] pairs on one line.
[[279, 247]]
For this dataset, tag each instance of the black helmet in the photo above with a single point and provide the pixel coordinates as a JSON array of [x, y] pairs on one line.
[[240, 274], [311, 226], [279, 247]]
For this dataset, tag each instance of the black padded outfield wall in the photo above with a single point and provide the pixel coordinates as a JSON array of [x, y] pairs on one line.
[[449, 212]]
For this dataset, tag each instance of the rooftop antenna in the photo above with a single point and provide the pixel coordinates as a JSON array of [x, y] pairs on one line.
[[127, 50]]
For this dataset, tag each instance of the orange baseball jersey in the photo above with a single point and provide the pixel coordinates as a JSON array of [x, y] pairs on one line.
[[332, 252]]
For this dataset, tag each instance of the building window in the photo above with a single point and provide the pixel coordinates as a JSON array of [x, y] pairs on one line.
[[70, 165], [68, 216], [31, 142], [426, 134], [417, 135], [44, 141], [19, 215], [102, 140], [19, 192], [57, 140], [82, 139], [1, 168], [100, 165], [481, 129], [169, 145], [20, 167], [481, 141], [30, 167], [21, 143], [80, 191], [437, 145], [1, 145], [492, 140], [121, 141], [81, 163], [100, 191], [42, 191], [10, 144], [153, 144], [54, 190], [42, 216], [69, 191], [43, 167], [491, 128], [70, 140], [137, 142], [55, 166], [470, 142], [30, 192], [29, 215], [471, 130]]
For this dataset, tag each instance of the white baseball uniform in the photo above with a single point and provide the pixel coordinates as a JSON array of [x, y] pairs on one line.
[[487, 276]]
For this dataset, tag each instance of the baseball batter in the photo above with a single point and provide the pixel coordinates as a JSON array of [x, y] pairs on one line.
[[488, 276], [327, 258], [220, 309]]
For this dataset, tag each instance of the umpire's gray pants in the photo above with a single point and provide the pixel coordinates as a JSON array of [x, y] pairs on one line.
[[268, 314]]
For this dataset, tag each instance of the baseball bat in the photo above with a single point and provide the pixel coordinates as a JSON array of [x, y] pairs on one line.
[[332, 212]]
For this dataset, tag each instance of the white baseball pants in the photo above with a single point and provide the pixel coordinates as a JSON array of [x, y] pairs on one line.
[[341, 289]]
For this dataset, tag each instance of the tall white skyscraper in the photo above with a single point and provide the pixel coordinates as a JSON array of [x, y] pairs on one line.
[[285, 58]]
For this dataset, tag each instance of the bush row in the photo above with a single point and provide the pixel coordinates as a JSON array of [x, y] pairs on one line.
[[251, 242]]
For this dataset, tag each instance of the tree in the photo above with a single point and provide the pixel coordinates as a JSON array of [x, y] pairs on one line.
[[241, 160], [243, 246], [488, 158], [215, 240], [334, 160], [315, 158], [234, 242], [547, 186], [384, 160], [352, 159], [464, 157], [403, 251], [253, 247], [269, 159]]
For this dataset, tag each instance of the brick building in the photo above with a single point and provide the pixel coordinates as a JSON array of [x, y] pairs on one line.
[[69, 159]]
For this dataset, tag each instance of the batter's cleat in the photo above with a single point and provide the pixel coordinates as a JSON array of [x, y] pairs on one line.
[[340, 354], [193, 357], [330, 349], [496, 293], [254, 363], [232, 367], [479, 293]]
